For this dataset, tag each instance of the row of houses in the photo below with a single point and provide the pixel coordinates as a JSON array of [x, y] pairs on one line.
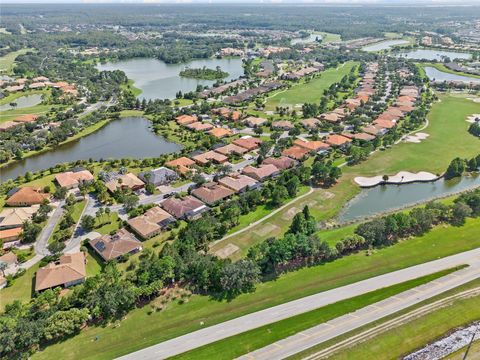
[[18, 121], [192, 122], [251, 93], [308, 70]]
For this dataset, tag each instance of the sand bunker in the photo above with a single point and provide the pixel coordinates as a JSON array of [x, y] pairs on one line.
[[403, 177], [416, 138], [472, 118], [227, 251], [268, 228]]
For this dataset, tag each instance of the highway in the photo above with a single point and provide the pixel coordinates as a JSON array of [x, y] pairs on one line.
[[267, 316]]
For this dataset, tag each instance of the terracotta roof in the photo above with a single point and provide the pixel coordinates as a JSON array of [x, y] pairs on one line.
[[220, 132], [10, 234], [181, 207], [130, 181], [9, 258], [387, 124], [311, 123], [113, 246], [151, 222], [27, 196], [360, 136], [186, 119], [281, 162], [237, 182], [231, 149], [331, 117], [249, 143], [210, 156], [199, 126], [181, 164], [311, 145], [295, 152], [337, 140], [70, 178], [283, 124], [13, 217], [210, 193], [8, 125], [388, 116], [406, 108], [254, 121], [27, 118], [260, 173], [71, 268]]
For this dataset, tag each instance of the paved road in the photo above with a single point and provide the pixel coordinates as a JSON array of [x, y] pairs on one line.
[[306, 339], [264, 317], [42, 241]]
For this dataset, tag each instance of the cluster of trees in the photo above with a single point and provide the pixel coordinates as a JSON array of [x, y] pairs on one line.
[[204, 73], [474, 129], [65, 227], [458, 166]]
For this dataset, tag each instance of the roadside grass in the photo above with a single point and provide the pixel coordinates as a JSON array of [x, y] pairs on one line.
[[310, 92], [7, 62], [107, 223], [77, 211], [175, 320], [252, 340]]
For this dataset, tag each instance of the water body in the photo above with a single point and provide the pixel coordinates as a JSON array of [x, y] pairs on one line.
[[427, 54], [125, 138], [310, 39], [374, 201], [159, 80], [437, 75], [23, 102], [384, 45]]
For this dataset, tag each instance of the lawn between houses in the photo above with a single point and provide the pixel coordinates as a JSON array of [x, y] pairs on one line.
[[175, 320], [7, 62]]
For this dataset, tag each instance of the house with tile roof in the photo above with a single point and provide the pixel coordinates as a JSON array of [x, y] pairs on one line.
[[314, 146], [72, 179], [127, 181], [26, 196], [208, 157], [281, 163], [253, 121], [182, 164], [219, 132], [211, 193], [111, 247], [151, 222], [15, 217], [296, 152], [187, 208], [262, 172], [338, 140], [248, 142], [239, 182], [185, 119], [230, 149], [70, 270]]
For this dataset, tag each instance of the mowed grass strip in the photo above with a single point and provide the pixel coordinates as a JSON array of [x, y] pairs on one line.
[[246, 342], [154, 327], [309, 92]]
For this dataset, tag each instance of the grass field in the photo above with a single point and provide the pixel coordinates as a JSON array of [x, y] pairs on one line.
[[20, 290], [176, 319], [244, 343], [7, 62], [310, 92]]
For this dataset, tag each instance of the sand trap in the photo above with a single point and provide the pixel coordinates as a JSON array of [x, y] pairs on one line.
[[472, 118], [290, 213], [402, 177], [416, 138], [268, 228], [227, 251]]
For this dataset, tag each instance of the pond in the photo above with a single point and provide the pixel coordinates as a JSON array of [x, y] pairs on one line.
[[384, 198], [23, 102], [384, 45], [159, 80], [125, 138], [309, 39], [428, 54], [437, 75]]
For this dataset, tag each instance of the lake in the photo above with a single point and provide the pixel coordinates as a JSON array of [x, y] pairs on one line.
[[382, 198], [159, 80], [309, 39], [437, 75], [125, 138], [23, 102], [427, 54], [384, 45]]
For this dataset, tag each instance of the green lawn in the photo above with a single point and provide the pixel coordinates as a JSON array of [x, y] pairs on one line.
[[21, 288], [7, 61], [310, 92], [40, 109], [151, 328], [107, 223], [246, 342]]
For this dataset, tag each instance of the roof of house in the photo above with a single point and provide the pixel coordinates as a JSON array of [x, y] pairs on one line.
[[200, 126], [181, 164], [388, 116], [9, 258], [150, 221], [128, 180], [248, 142], [10, 217], [283, 124], [311, 145], [311, 123], [220, 132], [254, 121], [27, 195], [212, 192], [371, 129], [387, 124], [282, 162], [209, 156], [113, 246], [10, 233], [186, 119], [331, 117], [8, 125], [359, 136], [337, 140], [231, 149], [237, 182], [72, 178], [179, 207], [295, 152], [261, 172], [158, 175], [71, 267], [27, 118]]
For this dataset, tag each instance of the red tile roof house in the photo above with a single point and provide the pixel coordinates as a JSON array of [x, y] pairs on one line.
[[359, 136], [282, 125], [183, 165], [388, 116], [7, 125], [210, 156], [28, 118], [72, 179], [331, 117], [127, 181], [199, 126], [262, 172], [229, 149], [185, 119], [220, 132], [252, 121], [26, 196], [387, 124], [282, 162], [111, 247], [296, 152], [151, 222], [311, 123], [374, 130], [187, 208], [239, 182], [248, 142], [338, 140], [315, 146], [69, 271], [211, 193]]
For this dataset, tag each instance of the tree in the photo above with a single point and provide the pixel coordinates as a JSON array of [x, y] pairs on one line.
[[130, 202], [30, 232], [459, 213], [239, 277], [56, 247], [88, 222], [279, 195], [60, 193], [65, 323], [455, 169]]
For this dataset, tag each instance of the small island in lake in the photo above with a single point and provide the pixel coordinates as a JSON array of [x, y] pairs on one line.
[[204, 73]]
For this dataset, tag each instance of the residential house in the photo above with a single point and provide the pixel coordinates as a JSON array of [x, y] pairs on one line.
[[238, 182], [159, 176], [200, 126], [253, 121], [282, 125], [72, 179], [9, 258], [374, 130], [338, 140], [210, 156], [111, 247], [15, 217], [10, 235], [314, 146], [211, 193], [248, 142], [27, 118], [127, 181], [151, 222], [26, 196], [187, 208], [386, 124], [7, 125], [70, 270], [183, 165], [220, 133], [281, 163], [261, 172], [185, 119], [296, 152], [310, 123], [229, 149], [359, 136]]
